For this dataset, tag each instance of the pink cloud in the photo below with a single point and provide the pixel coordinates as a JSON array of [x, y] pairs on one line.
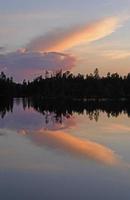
[[62, 39], [23, 64]]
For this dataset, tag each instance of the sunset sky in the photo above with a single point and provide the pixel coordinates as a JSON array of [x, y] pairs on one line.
[[76, 35]]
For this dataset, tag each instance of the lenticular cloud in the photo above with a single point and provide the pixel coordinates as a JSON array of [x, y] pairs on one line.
[[62, 39]]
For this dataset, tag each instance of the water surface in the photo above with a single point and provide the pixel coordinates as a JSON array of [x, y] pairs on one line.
[[53, 152]]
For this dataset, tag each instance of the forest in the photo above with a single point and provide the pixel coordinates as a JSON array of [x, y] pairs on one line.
[[66, 85]]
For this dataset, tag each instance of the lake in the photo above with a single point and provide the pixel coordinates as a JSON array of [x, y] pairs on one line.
[[64, 152]]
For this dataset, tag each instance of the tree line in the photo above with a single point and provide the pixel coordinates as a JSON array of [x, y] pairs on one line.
[[67, 85]]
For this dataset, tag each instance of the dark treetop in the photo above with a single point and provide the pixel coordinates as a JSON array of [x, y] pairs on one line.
[[66, 85]]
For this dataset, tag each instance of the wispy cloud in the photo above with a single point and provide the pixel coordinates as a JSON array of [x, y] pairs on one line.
[[62, 39], [117, 54]]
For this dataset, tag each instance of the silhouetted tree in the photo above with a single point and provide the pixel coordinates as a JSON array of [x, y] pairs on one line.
[[66, 85]]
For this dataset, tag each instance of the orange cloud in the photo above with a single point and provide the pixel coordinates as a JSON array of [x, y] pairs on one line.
[[60, 39], [117, 54], [73, 145]]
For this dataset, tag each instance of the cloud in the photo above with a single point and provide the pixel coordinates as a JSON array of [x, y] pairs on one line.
[[2, 48], [25, 64], [62, 39], [117, 54], [73, 145], [44, 52]]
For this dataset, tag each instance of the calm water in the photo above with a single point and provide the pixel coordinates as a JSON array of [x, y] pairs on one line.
[[63, 156]]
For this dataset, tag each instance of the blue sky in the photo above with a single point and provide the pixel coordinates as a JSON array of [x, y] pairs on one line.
[[21, 21]]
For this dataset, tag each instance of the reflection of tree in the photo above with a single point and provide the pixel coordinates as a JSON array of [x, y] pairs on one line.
[[94, 115], [6, 105], [61, 108], [58, 109]]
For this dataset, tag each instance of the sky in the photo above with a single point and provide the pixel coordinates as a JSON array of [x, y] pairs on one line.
[[75, 35]]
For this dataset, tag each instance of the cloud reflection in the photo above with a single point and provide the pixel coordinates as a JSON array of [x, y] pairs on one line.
[[73, 145]]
